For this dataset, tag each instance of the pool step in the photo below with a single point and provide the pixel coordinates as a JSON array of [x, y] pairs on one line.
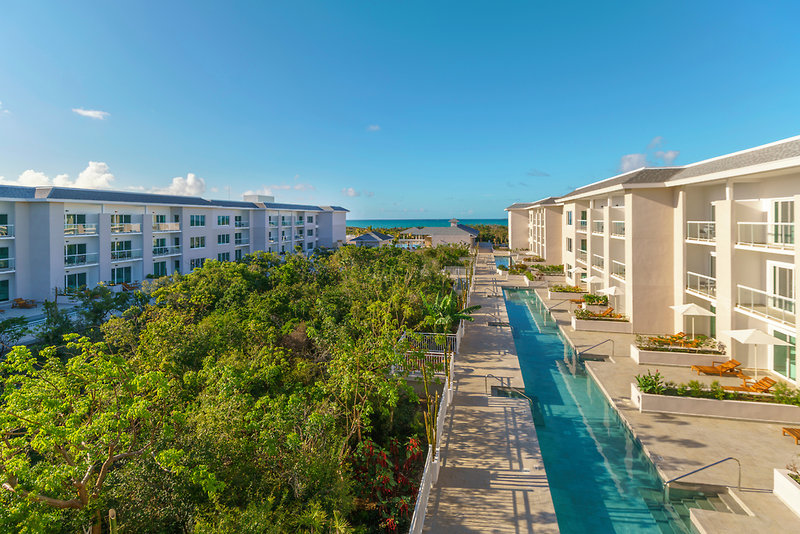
[[680, 505]]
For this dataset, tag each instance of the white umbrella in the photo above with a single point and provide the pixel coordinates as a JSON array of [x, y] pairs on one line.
[[692, 310], [611, 291], [577, 270], [753, 336], [592, 280]]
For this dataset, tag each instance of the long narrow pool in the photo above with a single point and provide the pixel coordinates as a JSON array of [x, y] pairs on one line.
[[600, 479]]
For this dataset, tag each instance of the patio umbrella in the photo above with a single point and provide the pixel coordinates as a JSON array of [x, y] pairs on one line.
[[692, 310], [592, 280], [612, 291], [753, 336], [577, 270]]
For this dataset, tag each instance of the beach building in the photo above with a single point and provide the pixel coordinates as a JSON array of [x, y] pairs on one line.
[[719, 233], [52, 238], [372, 239], [431, 236]]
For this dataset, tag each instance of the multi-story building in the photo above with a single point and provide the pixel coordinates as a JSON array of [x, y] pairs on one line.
[[719, 233], [52, 238]]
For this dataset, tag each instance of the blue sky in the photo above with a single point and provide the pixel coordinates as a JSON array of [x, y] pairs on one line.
[[392, 109]]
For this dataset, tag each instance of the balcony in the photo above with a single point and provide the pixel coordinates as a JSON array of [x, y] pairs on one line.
[[702, 231], [286, 223], [701, 284], [763, 235], [598, 227], [598, 262], [80, 229], [167, 227], [618, 269], [763, 304], [582, 225], [87, 258], [7, 265], [298, 238], [617, 228], [6, 231], [126, 228], [241, 242], [580, 256], [166, 251], [242, 224], [299, 222], [273, 223], [126, 255]]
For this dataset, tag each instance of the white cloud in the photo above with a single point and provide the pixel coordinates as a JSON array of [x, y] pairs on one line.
[[350, 192], [373, 128], [91, 113], [214, 189], [369, 193], [657, 140], [191, 186], [263, 191], [32, 178], [96, 175], [630, 162], [3, 111], [304, 187], [667, 155]]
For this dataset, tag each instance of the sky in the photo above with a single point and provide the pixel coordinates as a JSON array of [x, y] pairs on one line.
[[391, 109]]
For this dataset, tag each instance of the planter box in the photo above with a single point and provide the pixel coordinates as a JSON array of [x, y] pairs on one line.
[[596, 308], [599, 325], [726, 409], [786, 489], [678, 359], [559, 295]]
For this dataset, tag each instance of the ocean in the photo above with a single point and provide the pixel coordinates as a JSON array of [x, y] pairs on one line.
[[409, 223]]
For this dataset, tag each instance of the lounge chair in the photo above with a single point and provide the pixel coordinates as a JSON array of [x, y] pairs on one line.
[[129, 287], [762, 386], [728, 368], [608, 312], [23, 303], [794, 432]]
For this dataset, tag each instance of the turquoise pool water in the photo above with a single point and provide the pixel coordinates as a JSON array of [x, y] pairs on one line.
[[502, 260], [600, 479]]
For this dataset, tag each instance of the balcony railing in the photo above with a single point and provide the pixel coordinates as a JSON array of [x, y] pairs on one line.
[[239, 242], [286, 223], [702, 284], [80, 229], [167, 227], [299, 222], [87, 258], [701, 230], [598, 227], [125, 255], [6, 231], [598, 261], [126, 228], [618, 269], [7, 264], [580, 255], [298, 238], [166, 251], [767, 235], [582, 224], [242, 224], [766, 304], [273, 223], [618, 228]]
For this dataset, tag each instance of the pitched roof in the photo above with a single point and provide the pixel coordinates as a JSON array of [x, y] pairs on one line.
[[442, 230], [333, 208], [373, 236], [14, 191], [520, 206], [299, 207], [69, 193], [645, 175]]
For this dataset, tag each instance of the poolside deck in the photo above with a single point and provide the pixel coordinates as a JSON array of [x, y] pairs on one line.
[[492, 478]]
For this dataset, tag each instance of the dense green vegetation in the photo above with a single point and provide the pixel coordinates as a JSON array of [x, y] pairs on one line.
[[252, 396], [492, 233]]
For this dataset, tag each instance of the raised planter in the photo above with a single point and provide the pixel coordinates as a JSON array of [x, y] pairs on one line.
[[678, 359], [595, 308], [726, 409], [602, 325], [786, 489], [563, 295]]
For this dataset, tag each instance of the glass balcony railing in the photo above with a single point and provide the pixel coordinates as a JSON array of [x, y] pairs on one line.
[[618, 228], [701, 231], [273, 223], [286, 223], [239, 242], [126, 228], [299, 222], [167, 227], [618, 269], [6, 230], [582, 225], [7, 264], [777, 307], [598, 227], [580, 255], [242, 224], [702, 284], [598, 262], [766, 235], [125, 255], [298, 238], [80, 229], [87, 258], [166, 251]]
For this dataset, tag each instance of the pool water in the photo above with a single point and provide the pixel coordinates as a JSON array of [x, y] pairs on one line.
[[600, 479], [502, 260]]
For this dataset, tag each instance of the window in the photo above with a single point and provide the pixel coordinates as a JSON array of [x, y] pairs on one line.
[[177, 267], [73, 281], [120, 275], [160, 268], [197, 242], [121, 250], [196, 263], [311, 246], [238, 221], [783, 214], [309, 233], [569, 244], [197, 220], [238, 254], [4, 291], [785, 356], [69, 218], [223, 220], [569, 217], [160, 245], [238, 238], [176, 218], [782, 286], [310, 219], [224, 256], [4, 263], [583, 215], [120, 219], [159, 219], [223, 239], [176, 241], [75, 254]]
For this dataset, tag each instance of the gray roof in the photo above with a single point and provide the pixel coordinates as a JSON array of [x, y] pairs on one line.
[[69, 193], [373, 236], [442, 230], [299, 207], [520, 206], [234, 204], [639, 176], [14, 191], [774, 152], [334, 208]]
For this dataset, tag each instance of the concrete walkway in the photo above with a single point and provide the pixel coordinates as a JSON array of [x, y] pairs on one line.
[[492, 478]]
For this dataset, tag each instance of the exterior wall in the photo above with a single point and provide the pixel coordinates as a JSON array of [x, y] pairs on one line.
[[518, 237], [552, 235]]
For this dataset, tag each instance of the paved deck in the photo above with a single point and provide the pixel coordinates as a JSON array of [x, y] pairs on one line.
[[492, 478]]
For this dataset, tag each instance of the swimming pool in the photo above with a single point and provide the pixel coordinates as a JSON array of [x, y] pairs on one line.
[[502, 260], [600, 479]]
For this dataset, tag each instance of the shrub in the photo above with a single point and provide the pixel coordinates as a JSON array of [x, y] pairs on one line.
[[651, 383], [551, 269], [680, 342], [565, 289], [601, 300], [581, 313]]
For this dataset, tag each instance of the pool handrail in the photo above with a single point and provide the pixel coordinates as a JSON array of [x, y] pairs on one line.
[[500, 379], [578, 353], [668, 482], [560, 302]]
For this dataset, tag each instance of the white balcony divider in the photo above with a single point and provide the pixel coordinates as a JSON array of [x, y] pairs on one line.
[[618, 269], [125, 255], [618, 228], [126, 228], [598, 261], [7, 264], [598, 227], [72, 260], [766, 304], [580, 255], [701, 230], [767, 235], [166, 251], [80, 229], [167, 227], [705, 285]]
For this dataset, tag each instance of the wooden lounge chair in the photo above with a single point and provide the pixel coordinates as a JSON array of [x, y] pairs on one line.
[[23, 303], [794, 432], [762, 386], [728, 368], [129, 287], [608, 312]]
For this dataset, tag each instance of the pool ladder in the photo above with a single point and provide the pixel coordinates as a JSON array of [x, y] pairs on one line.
[[668, 482], [499, 379]]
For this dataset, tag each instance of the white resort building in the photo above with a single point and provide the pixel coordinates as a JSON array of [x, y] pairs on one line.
[[53, 238], [719, 233]]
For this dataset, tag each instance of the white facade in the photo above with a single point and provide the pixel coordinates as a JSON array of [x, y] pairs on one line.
[[719, 233], [54, 238]]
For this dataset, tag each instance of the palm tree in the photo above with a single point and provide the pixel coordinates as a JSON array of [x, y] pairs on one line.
[[443, 313]]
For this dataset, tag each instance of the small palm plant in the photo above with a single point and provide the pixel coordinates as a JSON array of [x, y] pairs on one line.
[[443, 312]]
